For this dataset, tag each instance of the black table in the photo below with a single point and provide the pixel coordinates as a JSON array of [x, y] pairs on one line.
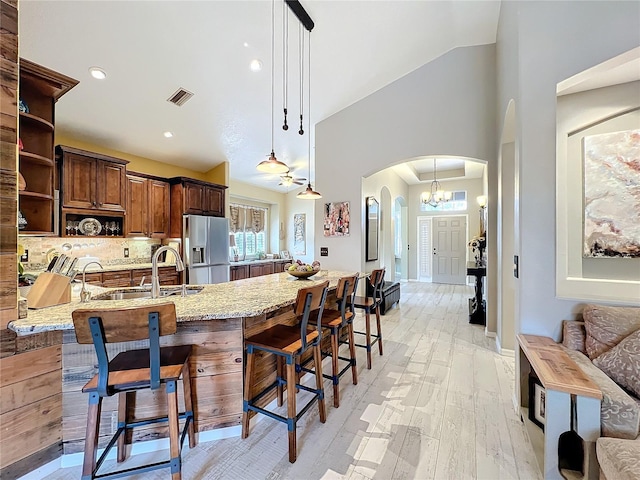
[[477, 307]]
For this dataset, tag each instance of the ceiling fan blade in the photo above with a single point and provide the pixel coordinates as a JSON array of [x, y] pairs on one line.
[[298, 183]]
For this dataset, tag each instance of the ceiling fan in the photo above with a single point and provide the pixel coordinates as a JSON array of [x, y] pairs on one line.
[[287, 180]]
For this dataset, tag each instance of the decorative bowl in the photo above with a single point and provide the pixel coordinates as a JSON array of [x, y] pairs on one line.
[[302, 274]]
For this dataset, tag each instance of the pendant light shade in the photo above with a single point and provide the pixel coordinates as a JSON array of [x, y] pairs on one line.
[[309, 194], [272, 165]]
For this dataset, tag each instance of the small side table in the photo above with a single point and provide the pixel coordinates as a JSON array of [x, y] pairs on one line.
[[476, 304]]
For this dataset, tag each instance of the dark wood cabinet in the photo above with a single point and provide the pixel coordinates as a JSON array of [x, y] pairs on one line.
[[278, 266], [40, 88], [194, 197], [238, 272], [133, 278], [79, 182], [213, 201], [148, 207], [92, 181], [112, 185], [259, 269], [114, 279]]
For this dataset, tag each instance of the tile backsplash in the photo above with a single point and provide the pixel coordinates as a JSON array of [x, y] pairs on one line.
[[110, 251]]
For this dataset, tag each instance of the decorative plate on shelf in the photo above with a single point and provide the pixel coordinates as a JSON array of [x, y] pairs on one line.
[[90, 227]]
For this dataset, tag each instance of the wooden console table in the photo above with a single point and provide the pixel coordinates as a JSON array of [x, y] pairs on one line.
[[476, 304], [563, 382]]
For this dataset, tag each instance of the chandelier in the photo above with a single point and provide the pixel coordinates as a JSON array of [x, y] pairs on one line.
[[436, 196]]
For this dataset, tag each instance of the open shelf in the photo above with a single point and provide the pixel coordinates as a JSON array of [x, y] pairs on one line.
[[43, 196], [35, 158], [36, 121], [39, 90]]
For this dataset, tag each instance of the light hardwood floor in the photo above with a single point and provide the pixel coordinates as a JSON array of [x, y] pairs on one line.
[[437, 405]]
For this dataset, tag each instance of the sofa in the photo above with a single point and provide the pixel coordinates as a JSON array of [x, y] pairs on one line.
[[606, 346]]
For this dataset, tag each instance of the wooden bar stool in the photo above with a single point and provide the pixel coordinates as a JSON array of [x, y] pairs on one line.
[[335, 321], [288, 343], [130, 371], [371, 304]]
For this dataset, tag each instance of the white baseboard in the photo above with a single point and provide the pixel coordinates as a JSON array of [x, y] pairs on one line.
[[75, 459], [504, 351], [489, 334]]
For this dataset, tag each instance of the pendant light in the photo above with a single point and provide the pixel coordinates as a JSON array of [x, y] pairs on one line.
[[309, 193], [272, 165]]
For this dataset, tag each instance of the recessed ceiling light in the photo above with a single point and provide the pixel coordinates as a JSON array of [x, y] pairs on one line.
[[168, 134], [98, 73], [246, 44], [256, 65]]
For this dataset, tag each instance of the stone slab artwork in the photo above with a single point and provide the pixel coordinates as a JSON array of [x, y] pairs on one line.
[[299, 234], [612, 194]]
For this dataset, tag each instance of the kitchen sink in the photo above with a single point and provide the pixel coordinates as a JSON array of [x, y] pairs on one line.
[[144, 294]]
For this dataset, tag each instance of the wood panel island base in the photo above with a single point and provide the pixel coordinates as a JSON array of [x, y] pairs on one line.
[[215, 321]]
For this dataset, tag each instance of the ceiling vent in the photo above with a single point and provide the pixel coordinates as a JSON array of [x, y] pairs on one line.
[[180, 97]]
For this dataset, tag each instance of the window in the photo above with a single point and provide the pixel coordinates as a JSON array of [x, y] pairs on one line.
[[457, 203], [248, 227]]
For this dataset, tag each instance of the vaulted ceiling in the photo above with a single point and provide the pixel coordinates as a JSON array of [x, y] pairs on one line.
[[149, 49]]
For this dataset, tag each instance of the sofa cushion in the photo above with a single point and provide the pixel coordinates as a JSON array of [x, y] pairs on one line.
[[619, 411], [573, 335], [608, 326], [622, 363], [619, 459]]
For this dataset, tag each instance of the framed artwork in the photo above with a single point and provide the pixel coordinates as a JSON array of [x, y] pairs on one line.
[[299, 234], [611, 199], [537, 399], [336, 219], [285, 254], [372, 224]]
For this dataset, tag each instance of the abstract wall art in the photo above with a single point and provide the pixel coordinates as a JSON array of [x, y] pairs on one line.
[[612, 194], [336, 219]]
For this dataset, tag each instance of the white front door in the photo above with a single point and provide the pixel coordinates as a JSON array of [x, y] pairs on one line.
[[450, 250]]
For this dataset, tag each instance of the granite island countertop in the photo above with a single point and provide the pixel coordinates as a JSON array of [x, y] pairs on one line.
[[241, 298]]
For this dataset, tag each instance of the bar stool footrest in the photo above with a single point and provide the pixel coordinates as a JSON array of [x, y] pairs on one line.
[[187, 416]]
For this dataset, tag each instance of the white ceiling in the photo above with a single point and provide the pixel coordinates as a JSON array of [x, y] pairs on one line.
[[421, 170], [151, 48]]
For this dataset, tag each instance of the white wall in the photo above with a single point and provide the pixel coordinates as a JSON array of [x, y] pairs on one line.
[[394, 187], [555, 40], [295, 205], [446, 107], [474, 188], [587, 113]]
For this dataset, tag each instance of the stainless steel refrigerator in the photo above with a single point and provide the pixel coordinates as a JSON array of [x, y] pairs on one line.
[[206, 249]]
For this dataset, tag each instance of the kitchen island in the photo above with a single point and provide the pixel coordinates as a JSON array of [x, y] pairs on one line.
[[216, 320]]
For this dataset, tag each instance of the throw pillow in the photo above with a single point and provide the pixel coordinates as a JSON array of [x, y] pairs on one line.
[[622, 363], [607, 326]]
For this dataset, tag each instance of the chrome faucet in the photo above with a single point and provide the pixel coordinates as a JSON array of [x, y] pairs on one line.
[[85, 295], [155, 281]]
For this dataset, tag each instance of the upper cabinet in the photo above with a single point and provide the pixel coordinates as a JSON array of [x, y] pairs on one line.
[[194, 197], [92, 181], [148, 204], [40, 88]]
